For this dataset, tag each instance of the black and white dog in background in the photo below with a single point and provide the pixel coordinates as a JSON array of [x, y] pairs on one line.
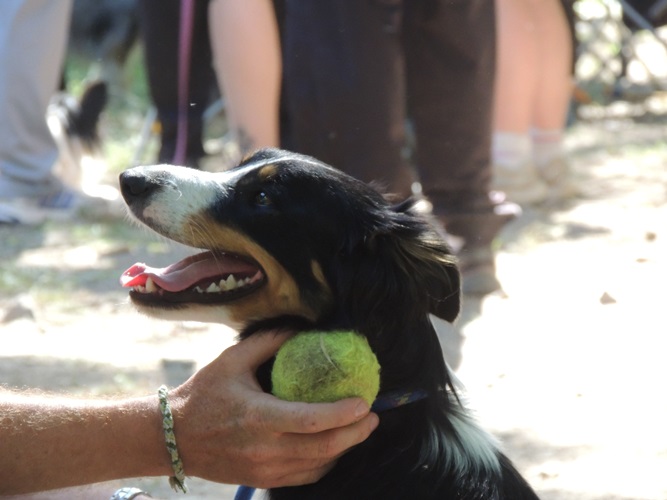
[[102, 34]]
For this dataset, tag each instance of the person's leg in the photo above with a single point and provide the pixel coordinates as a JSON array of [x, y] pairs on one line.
[[345, 84], [553, 90], [450, 53], [533, 91], [450, 68], [516, 89], [517, 77], [33, 38], [246, 52], [161, 30]]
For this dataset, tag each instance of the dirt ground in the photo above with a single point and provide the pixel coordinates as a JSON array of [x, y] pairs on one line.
[[565, 366]]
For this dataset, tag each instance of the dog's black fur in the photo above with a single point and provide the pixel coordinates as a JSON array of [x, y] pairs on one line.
[[104, 31], [80, 117], [74, 125], [358, 263]]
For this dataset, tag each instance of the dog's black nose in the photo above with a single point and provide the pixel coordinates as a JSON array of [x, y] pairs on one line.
[[136, 184], [132, 183]]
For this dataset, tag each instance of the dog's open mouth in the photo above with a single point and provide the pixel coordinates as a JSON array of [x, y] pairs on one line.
[[204, 278]]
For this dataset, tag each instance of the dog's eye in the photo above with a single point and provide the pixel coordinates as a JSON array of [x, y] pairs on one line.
[[262, 199]]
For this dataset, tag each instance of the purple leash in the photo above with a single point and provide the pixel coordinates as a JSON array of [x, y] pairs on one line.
[[184, 53]]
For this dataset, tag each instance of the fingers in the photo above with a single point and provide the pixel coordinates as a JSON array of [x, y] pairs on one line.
[[282, 416], [289, 472], [308, 457], [308, 418], [323, 447], [284, 443], [306, 477], [330, 444], [304, 473], [252, 352]]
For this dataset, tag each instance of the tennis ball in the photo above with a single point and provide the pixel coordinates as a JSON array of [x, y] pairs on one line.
[[318, 367]]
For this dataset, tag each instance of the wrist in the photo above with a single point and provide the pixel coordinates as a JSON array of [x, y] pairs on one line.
[[180, 403], [177, 480], [68, 442], [137, 431]]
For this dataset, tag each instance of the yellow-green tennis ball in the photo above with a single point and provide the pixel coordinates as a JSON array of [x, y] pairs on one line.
[[318, 367]]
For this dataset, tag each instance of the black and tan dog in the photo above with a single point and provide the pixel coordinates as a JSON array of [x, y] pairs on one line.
[[285, 239]]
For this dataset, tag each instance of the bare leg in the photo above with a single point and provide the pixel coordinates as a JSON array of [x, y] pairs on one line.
[[246, 54], [517, 76], [533, 88], [554, 65], [553, 94]]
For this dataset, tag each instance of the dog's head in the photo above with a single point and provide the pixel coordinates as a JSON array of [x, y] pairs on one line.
[[284, 234]]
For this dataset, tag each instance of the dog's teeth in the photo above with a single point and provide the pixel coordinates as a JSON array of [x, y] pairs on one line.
[[231, 282], [224, 285], [140, 288], [150, 286]]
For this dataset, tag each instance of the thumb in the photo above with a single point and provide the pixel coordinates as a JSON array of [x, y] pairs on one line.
[[250, 353]]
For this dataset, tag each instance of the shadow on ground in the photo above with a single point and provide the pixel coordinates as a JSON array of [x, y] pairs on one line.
[[74, 376]]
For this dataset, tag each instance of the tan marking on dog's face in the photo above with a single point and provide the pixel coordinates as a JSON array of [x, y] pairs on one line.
[[279, 296], [316, 269], [265, 173]]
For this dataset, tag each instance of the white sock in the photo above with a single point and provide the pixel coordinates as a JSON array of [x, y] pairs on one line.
[[547, 145], [511, 150]]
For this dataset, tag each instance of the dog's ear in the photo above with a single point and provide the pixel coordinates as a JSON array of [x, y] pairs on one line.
[[402, 257], [430, 265]]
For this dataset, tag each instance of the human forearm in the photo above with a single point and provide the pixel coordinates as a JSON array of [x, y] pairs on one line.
[[227, 429], [55, 442]]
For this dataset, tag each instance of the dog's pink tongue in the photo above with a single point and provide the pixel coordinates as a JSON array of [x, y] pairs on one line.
[[185, 273]]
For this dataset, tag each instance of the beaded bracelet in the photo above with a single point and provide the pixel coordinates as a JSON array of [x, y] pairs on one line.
[[177, 481]]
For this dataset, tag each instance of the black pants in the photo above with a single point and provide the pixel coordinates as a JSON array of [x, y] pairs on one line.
[[160, 28], [357, 70]]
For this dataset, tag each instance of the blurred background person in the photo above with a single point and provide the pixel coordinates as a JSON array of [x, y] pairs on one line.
[[33, 41], [533, 91], [357, 72], [192, 45], [178, 59]]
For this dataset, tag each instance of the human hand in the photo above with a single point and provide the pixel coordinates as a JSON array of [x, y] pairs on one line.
[[229, 430]]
